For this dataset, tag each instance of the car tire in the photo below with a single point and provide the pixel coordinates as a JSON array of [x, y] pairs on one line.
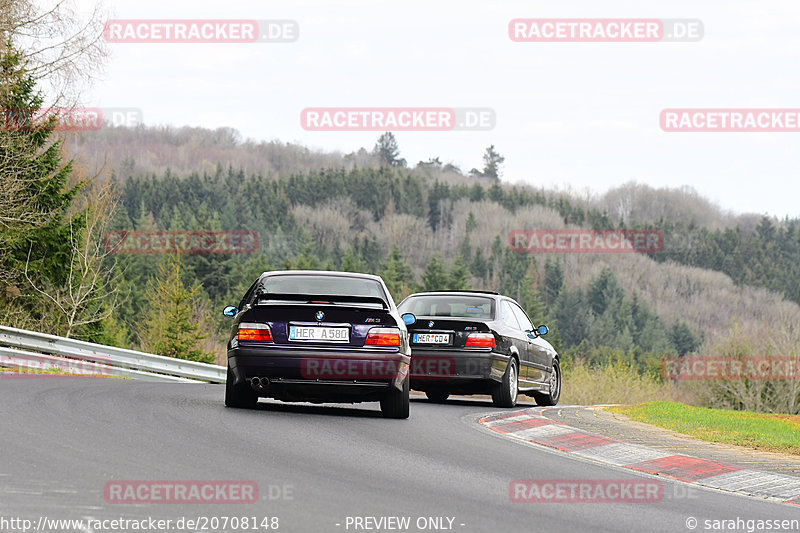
[[505, 392], [552, 397], [437, 396], [239, 396], [395, 403]]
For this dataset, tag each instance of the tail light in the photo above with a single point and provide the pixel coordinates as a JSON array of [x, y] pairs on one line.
[[383, 337], [254, 332], [483, 340]]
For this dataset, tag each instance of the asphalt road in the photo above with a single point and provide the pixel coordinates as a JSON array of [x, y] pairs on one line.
[[62, 439]]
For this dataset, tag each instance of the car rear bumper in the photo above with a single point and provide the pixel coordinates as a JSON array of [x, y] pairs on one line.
[[439, 368], [300, 373]]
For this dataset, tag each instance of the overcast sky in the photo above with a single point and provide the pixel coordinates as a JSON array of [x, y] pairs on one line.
[[580, 116]]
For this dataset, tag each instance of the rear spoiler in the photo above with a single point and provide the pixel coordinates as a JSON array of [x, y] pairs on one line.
[[318, 299]]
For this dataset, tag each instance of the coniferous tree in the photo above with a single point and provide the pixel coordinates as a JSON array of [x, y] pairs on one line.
[[434, 278], [175, 324], [531, 301], [553, 280], [479, 266], [491, 163], [38, 230], [683, 339], [602, 290], [369, 249], [471, 223], [352, 261], [458, 277], [571, 317], [465, 250], [388, 151], [438, 192], [397, 275]]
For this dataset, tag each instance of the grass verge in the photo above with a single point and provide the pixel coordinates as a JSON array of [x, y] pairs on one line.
[[19, 371], [585, 384], [760, 431]]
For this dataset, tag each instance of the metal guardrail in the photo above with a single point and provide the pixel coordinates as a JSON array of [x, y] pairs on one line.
[[13, 358], [21, 345]]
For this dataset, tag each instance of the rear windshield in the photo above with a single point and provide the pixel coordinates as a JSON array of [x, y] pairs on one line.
[[321, 285], [445, 305]]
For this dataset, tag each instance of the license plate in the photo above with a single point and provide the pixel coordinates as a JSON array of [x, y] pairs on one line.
[[430, 338], [318, 334]]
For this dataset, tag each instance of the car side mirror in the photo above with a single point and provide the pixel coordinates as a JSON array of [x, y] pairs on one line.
[[408, 318], [542, 330], [230, 311]]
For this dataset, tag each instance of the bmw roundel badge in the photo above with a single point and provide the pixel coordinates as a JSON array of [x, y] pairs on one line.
[[320, 315], [430, 324]]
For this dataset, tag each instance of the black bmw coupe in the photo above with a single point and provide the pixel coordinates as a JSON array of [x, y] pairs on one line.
[[477, 342], [314, 336]]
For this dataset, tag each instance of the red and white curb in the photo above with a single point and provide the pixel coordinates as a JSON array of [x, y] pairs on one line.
[[531, 426]]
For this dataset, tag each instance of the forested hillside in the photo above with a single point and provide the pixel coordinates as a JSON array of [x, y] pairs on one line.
[[752, 249], [431, 227]]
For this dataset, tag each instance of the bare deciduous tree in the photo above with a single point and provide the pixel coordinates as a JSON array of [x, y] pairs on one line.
[[777, 392], [62, 47], [88, 295]]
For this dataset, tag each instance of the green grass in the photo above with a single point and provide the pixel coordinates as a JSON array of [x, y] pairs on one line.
[[759, 431]]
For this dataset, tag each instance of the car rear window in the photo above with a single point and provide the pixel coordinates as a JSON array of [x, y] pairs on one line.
[[453, 306], [321, 285]]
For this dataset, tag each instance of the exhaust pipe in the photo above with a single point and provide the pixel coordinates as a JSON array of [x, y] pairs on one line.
[[259, 383]]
